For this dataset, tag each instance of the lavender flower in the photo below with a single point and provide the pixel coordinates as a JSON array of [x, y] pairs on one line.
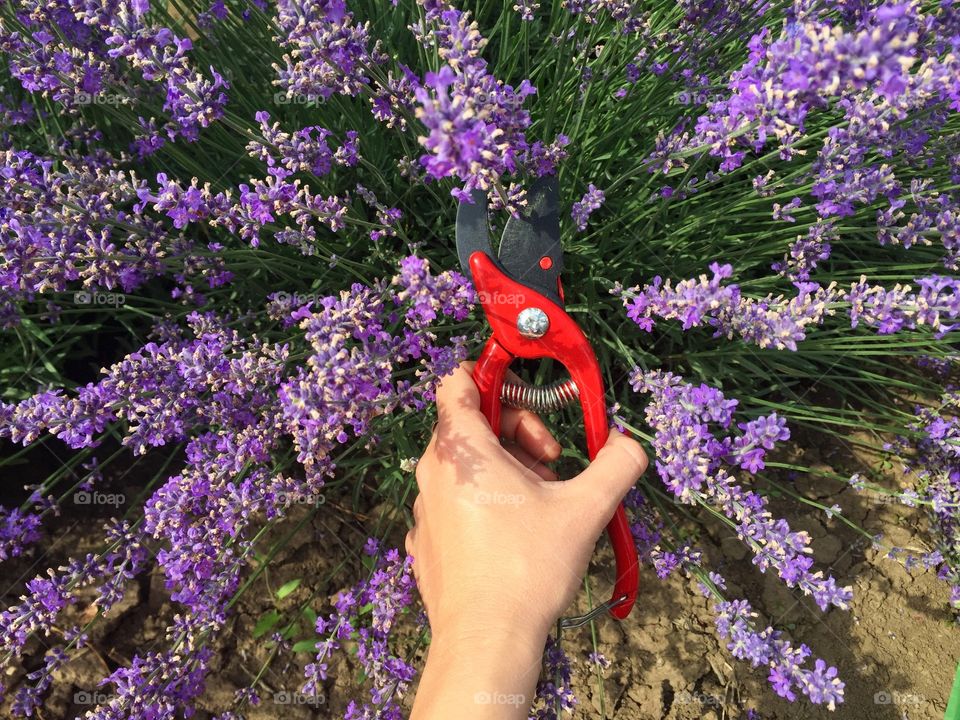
[[554, 688], [475, 122], [783, 212], [785, 662], [326, 51], [590, 202], [527, 9], [690, 458], [781, 323], [235, 399], [18, 530], [305, 150], [806, 252], [931, 456], [389, 593]]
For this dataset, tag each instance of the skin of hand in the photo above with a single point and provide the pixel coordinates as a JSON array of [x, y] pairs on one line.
[[500, 548]]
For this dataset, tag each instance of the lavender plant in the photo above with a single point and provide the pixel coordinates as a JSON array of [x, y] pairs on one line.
[[226, 238]]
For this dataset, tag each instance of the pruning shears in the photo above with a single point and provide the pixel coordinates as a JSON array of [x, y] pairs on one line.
[[521, 295]]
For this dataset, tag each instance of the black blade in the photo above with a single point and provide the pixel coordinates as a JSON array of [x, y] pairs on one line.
[[533, 236], [472, 234]]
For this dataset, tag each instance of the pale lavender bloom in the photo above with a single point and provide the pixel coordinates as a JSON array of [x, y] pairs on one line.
[[937, 301], [305, 150], [807, 252], [527, 9], [598, 659], [18, 530], [782, 212], [585, 207], [785, 662]]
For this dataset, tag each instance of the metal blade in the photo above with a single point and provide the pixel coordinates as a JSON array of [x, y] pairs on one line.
[[533, 240], [472, 233]]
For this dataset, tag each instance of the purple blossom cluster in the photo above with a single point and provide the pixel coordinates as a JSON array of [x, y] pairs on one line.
[[303, 151], [236, 401], [279, 202], [591, 201], [811, 61], [773, 322], [645, 525], [76, 53], [736, 622], [71, 224], [890, 311], [936, 214], [695, 454], [890, 70], [40, 608], [387, 217], [261, 403], [768, 648], [475, 123], [327, 53], [779, 323], [554, 694], [366, 615], [807, 252], [931, 455]]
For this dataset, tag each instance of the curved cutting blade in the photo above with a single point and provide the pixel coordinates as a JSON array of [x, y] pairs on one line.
[[472, 231], [530, 248]]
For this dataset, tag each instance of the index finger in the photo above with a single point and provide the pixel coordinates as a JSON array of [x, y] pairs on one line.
[[458, 401]]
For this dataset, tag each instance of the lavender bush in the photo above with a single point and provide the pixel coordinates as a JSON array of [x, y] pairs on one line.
[[243, 211]]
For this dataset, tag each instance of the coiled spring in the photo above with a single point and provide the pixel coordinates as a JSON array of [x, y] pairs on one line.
[[539, 398]]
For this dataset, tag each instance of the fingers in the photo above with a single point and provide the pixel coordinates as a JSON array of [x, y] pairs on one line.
[[458, 402], [530, 462], [527, 430], [616, 469]]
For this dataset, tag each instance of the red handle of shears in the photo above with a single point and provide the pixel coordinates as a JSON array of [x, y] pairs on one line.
[[566, 343]]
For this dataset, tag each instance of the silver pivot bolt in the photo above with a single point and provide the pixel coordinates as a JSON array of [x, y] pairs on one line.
[[532, 322]]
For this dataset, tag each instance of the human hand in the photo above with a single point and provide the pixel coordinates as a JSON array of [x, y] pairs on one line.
[[499, 546]]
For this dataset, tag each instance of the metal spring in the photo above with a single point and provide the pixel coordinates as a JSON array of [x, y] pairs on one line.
[[539, 398]]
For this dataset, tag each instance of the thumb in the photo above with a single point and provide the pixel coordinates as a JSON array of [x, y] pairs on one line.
[[616, 469]]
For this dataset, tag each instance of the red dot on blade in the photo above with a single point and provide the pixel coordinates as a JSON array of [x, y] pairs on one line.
[[546, 263]]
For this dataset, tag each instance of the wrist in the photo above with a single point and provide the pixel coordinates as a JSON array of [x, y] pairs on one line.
[[480, 674], [483, 633], [509, 646]]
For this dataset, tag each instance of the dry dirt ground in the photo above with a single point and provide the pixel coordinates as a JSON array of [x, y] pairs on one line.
[[896, 648]]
